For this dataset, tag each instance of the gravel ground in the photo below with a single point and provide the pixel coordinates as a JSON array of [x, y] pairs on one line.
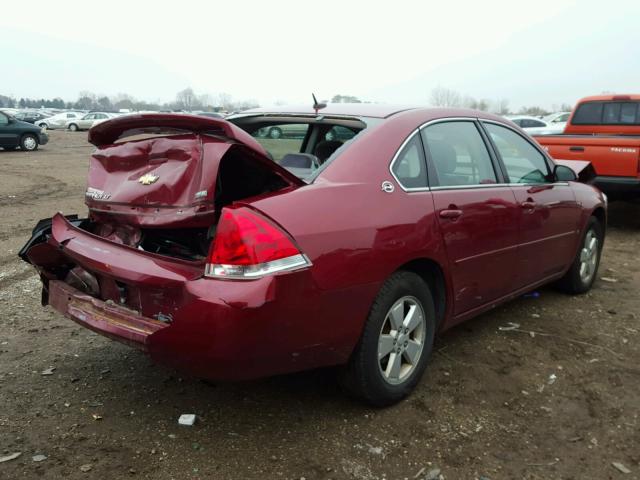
[[557, 398]]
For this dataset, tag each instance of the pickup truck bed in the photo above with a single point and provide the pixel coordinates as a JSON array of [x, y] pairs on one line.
[[615, 158]]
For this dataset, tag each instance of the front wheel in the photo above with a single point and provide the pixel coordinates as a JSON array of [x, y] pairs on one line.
[[275, 133], [397, 340], [582, 274], [73, 127], [29, 143]]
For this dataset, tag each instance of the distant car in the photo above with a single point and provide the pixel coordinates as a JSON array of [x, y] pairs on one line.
[[88, 121], [15, 133], [60, 120], [30, 116], [210, 114], [535, 126], [558, 120]]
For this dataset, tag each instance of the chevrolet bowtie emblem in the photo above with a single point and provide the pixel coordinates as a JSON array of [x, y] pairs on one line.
[[148, 179]]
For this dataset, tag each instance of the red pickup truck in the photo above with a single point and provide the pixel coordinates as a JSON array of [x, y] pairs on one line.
[[605, 130]]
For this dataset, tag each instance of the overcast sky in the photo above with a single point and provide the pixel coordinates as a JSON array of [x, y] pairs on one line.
[[538, 52]]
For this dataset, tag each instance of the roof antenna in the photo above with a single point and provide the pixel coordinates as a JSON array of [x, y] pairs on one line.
[[317, 106]]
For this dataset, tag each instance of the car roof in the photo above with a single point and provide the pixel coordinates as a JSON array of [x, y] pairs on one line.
[[375, 110], [610, 97]]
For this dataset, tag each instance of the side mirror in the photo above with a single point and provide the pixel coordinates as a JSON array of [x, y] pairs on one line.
[[563, 173]]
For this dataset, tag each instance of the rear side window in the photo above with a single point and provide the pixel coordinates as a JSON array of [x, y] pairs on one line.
[[409, 166], [458, 154], [524, 163], [530, 123], [607, 113]]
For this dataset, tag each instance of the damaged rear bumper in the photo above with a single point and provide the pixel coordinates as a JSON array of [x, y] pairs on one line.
[[210, 328], [102, 317]]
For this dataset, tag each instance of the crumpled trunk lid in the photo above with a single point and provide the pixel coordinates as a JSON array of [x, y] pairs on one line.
[[169, 179]]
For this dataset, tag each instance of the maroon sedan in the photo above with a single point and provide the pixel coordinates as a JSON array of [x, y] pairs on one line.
[[233, 255]]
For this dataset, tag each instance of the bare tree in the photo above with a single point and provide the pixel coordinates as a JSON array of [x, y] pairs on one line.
[[186, 99], [500, 106], [445, 97], [225, 101]]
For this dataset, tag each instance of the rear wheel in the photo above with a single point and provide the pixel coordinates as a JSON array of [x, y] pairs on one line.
[[73, 127], [397, 340], [29, 142], [584, 268], [43, 125]]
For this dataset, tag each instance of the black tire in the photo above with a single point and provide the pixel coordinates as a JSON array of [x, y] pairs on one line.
[[275, 133], [43, 125], [363, 376], [73, 127], [29, 142], [573, 282]]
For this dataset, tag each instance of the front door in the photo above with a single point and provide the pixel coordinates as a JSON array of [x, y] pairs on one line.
[[478, 215], [8, 134], [549, 213]]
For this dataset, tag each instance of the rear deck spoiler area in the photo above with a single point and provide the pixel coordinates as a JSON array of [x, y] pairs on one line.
[[107, 133]]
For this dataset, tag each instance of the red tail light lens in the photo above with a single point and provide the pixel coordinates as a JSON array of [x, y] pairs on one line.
[[247, 245]]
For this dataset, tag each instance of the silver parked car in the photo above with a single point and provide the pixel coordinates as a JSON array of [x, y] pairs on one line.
[[60, 120], [88, 121]]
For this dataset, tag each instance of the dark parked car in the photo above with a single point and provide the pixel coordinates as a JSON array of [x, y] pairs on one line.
[[203, 251], [15, 133], [30, 116]]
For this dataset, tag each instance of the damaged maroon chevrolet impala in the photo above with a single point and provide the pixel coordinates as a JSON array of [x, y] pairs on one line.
[[282, 240]]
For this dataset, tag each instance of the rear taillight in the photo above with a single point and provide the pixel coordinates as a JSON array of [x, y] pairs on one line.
[[247, 246]]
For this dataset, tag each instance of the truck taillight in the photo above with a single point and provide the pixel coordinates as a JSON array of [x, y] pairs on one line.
[[247, 245]]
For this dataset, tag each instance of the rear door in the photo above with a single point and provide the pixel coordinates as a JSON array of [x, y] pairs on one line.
[[477, 212], [548, 211]]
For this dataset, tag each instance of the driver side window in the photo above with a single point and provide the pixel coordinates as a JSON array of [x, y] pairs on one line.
[[524, 163], [4, 120]]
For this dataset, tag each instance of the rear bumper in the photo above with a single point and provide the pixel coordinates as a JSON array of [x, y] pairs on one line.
[[210, 328], [112, 321], [618, 186]]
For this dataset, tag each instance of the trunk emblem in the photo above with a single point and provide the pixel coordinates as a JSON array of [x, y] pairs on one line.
[[148, 179]]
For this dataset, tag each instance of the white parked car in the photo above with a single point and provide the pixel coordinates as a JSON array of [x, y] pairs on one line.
[[89, 120], [535, 126], [558, 119], [60, 120]]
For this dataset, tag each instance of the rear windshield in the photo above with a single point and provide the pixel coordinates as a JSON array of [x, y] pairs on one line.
[[303, 145], [607, 113]]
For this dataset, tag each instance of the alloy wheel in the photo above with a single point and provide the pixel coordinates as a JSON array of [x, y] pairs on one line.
[[401, 340], [589, 256]]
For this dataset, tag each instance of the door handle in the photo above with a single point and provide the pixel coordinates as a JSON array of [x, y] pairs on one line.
[[576, 149], [451, 214], [529, 204]]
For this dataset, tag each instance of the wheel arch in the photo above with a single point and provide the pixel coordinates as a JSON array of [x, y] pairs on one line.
[[601, 215], [433, 274]]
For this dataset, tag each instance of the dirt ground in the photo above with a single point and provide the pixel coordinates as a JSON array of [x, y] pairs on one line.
[[558, 398]]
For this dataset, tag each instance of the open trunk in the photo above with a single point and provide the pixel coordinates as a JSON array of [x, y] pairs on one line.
[[159, 182], [156, 187]]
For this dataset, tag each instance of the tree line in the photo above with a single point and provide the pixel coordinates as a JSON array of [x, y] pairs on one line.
[[185, 99], [445, 97]]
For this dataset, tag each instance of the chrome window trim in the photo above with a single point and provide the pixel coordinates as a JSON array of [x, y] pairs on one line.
[[465, 187], [395, 158]]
